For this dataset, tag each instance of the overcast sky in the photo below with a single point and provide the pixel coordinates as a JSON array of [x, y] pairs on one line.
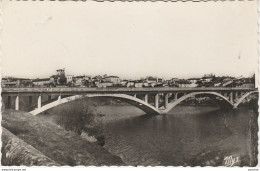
[[129, 39]]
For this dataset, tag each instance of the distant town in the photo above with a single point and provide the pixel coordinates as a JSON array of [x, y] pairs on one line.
[[61, 79]]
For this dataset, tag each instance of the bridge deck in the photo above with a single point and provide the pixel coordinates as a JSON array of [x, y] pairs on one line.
[[73, 90]]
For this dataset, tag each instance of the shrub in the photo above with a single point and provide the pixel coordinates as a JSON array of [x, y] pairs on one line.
[[80, 116]]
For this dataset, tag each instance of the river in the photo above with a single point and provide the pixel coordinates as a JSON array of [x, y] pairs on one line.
[[188, 135]]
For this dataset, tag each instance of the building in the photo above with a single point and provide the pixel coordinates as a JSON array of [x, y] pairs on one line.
[[114, 79], [16, 82], [79, 80], [228, 83], [41, 82], [130, 84], [123, 83], [59, 78], [248, 85], [70, 78], [138, 84], [146, 84], [188, 85], [153, 80], [194, 80], [60, 71], [104, 84]]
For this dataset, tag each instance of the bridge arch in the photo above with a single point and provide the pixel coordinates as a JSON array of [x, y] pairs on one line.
[[127, 98], [243, 97], [178, 101]]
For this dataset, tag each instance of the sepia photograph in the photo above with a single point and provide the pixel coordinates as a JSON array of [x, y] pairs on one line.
[[140, 83]]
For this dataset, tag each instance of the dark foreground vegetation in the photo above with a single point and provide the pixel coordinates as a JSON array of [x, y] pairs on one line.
[[79, 116], [61, 146]]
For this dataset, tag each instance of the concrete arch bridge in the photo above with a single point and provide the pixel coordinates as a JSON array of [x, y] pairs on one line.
[[150, 100]]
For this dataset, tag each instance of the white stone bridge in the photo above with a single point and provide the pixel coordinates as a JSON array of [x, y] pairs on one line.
[[151, 100]]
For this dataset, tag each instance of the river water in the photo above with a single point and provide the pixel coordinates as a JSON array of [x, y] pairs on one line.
[[187, 135]]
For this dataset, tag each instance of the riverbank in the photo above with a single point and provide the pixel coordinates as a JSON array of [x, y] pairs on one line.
[[16, 152], [63, 147]]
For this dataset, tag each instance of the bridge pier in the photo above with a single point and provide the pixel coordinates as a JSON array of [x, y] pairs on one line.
[[231, 97], [156, 101], [135, 95], [17, 102], [176, 96], [59, 98], [225, 94], [39, 101], [146, 98], [166, 100]]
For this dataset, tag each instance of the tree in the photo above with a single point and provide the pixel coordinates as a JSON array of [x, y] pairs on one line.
[[80, 116], [62, 80]]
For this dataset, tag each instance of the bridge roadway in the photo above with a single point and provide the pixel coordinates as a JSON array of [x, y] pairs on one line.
[[226, 96], [76, 90]]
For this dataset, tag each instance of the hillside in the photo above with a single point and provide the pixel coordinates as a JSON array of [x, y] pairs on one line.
[[63, 147]]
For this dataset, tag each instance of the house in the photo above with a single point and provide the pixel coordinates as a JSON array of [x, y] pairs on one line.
[[130, 84], [248, 85], [217, 84], [123, 83], [193, 80], [16, 82], [70, 78], [227, 83], [185, 85], [138, 84], [79, 80], [60, 71], [146, 84], [41, 82], [165, 85], [114, 79], [151, 79], [104, 84], [207, 78]]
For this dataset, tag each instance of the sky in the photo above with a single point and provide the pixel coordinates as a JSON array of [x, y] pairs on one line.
[[129, 39]]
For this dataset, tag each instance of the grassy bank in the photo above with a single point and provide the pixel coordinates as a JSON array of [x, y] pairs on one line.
[[16, 152], [63, 147]]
